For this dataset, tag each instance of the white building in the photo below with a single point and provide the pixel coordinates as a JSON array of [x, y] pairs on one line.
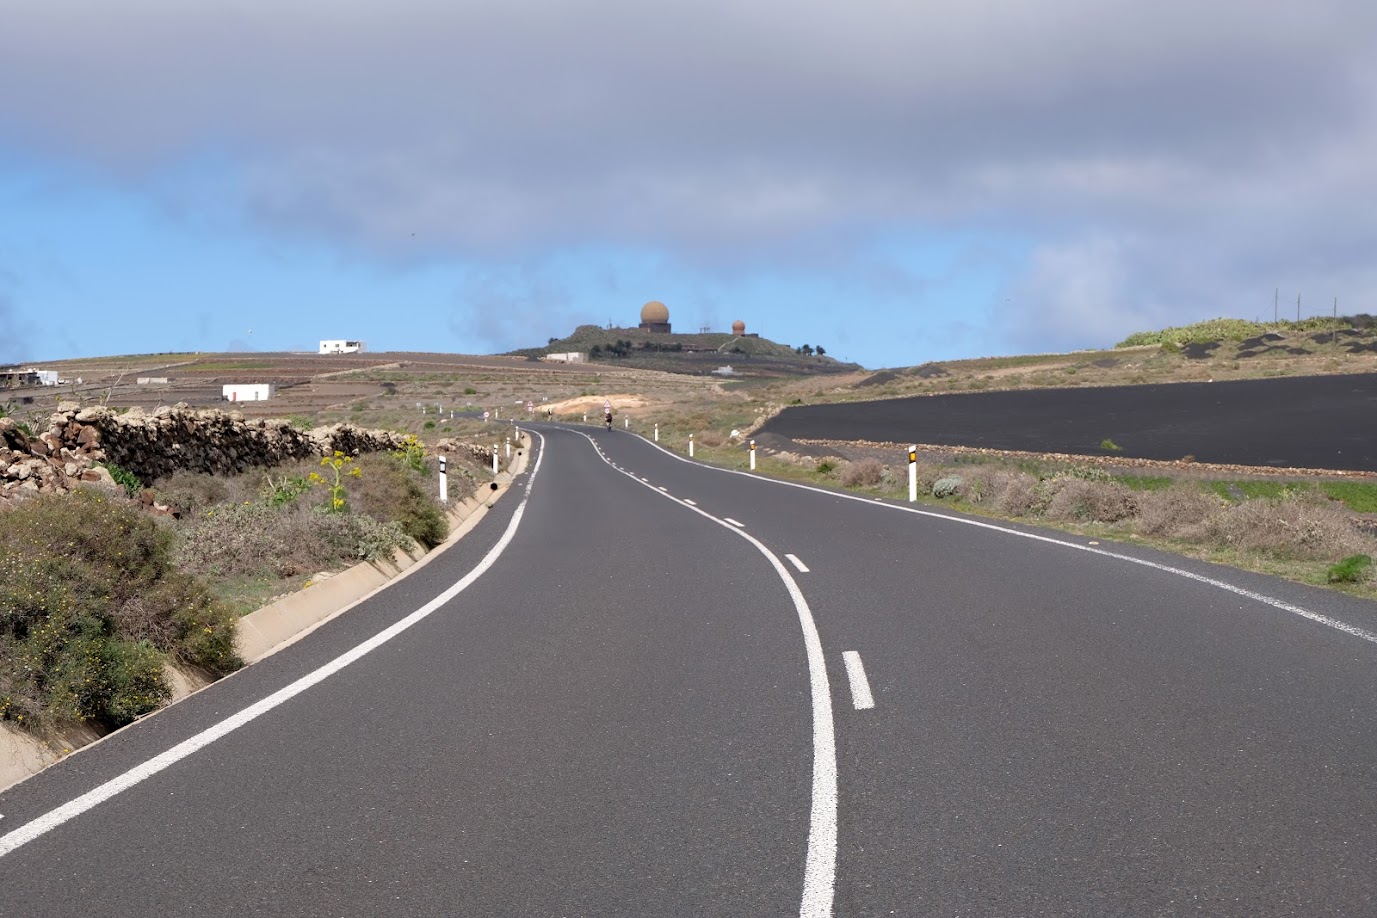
[[248, 392], [569, 357], [342, 347]]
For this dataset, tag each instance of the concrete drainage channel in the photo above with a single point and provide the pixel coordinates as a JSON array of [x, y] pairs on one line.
[[269, 629]]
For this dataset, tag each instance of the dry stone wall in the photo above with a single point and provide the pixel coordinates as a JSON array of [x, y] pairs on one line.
[[151, 445]]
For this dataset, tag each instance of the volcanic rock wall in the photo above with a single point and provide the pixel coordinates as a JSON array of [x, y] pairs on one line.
[[152, 445]]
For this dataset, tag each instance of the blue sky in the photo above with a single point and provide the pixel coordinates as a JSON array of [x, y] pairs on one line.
[[896, 181]]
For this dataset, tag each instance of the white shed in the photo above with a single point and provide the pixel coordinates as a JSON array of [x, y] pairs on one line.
[[341, 346], [249, 392]]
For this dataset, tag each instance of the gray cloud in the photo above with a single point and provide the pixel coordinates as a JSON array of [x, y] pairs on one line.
[[1162, 160]]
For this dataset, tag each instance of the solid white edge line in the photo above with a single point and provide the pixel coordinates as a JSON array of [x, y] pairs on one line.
[[734, 522], [1283, 605], [860, 686], [793, 559], [820, 865], [99, 794]]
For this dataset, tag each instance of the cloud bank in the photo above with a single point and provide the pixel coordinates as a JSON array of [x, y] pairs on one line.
[[1161, 162]]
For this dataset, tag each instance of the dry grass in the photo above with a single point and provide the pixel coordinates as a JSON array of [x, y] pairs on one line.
[[1300, 527], [865, 473]]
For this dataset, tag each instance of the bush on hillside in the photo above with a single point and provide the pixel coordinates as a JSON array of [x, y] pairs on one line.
[[91, 606], [392, 490], [1300, 526], [862, 473]]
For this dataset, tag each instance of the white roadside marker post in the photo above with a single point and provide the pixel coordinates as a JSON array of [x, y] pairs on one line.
[[752, 455], [444, 483], [690, 446], [509, 447], [494, 458], [657, 433], [626, 422], [913, 473], [585, 417]]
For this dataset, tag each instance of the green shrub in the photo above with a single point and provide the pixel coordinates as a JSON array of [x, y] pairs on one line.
[[285, 490], [395, 492], [124, 478], [825, 467], [1353, 569], [91, 606], [1110, 445], [949, 486]]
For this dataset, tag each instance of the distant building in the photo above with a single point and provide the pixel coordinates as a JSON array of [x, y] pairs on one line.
[[724, 371], [568, 357], [738, 328], [655, 318], [249, 392], [29, 376], [342, 347]]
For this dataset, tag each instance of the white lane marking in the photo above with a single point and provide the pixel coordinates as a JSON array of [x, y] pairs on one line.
[[860, 686], [1283, 605], [664, 490], [734, 522], [103, 792], [689, 502], [820, 865], [793, 559]]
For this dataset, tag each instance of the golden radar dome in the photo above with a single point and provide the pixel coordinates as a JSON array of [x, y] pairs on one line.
[[654, 313]]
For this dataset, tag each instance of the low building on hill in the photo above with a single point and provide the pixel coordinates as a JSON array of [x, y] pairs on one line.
[[341, 346], [567, 357], [248, 392]]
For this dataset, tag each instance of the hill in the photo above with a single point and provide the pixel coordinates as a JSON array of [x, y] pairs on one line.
[[1214, 350], [695, 354]]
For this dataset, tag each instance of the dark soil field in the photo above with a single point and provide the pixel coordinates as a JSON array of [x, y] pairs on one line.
[[1318, 422]]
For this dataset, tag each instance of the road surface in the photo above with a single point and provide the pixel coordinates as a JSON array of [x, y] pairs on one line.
[[639, 688]]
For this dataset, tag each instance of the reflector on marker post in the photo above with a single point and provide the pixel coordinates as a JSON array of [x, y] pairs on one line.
[[752, 455], [913, 473]]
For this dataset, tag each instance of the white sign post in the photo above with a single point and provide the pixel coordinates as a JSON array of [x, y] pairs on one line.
[[913, 473]]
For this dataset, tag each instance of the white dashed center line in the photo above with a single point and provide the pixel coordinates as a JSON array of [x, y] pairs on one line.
[[689, 502], [860, 686], [734, 522], [793, 559]]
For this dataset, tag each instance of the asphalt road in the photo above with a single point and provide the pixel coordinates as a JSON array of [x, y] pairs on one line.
[[626, 714], [1317, 422]]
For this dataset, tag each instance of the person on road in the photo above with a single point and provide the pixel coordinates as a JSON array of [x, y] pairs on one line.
[[607, 417]]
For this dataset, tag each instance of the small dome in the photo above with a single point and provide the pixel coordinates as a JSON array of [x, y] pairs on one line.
[[655, 313], [738, 327]]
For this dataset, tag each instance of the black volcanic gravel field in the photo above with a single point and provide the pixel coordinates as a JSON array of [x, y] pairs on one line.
[[1319, 422]]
